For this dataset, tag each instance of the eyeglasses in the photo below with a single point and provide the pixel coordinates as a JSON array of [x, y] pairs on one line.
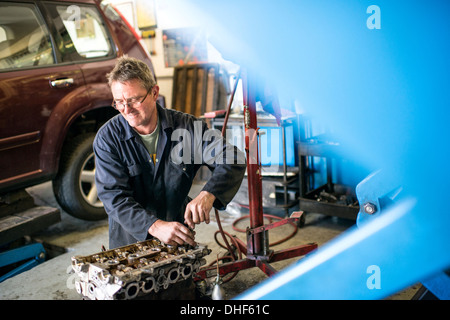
[[134, 103]]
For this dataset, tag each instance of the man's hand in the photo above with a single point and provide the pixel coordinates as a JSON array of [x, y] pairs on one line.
[[198, 209], [172, 233]]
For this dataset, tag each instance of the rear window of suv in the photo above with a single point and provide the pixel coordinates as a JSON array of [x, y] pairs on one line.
[[80, 35], [24, 37], [83, 31]]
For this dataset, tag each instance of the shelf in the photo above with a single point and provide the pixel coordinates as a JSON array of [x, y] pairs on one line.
[[325, 199], [330, 202]]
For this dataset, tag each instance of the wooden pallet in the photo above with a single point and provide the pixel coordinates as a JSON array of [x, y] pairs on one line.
[[20, 217]]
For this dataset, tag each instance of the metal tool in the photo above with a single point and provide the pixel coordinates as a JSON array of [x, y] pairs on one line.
[[30, 256], [257, 250], [218, 292]]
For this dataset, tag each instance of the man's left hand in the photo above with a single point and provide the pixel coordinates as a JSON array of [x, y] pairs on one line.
[[198, 209]]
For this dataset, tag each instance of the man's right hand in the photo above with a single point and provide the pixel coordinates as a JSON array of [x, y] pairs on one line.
[[172, 233]]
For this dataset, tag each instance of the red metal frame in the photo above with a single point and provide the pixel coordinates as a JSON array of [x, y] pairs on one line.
[[257, 249]]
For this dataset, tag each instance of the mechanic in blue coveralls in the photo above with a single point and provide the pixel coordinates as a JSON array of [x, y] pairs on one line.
[[146, 159]]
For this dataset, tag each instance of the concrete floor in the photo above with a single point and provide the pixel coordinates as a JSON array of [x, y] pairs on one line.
[[51, 280]]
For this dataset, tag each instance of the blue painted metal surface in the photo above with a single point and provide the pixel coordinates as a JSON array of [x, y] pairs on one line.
[[439, 285], [29, 256], [380, 191], [384, 94], [376, 193]]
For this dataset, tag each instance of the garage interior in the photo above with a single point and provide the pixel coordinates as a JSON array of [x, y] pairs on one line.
[[316, 192], [54, 279]]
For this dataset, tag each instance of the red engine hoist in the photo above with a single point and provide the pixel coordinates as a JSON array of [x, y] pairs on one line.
[[257, 251]]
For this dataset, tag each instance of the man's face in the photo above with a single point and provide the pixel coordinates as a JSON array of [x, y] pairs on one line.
[[140, 115]]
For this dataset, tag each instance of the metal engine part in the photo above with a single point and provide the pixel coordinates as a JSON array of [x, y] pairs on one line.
[[135, 270]]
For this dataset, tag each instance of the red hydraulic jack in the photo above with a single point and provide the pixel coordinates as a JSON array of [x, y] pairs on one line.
[[257, 251]]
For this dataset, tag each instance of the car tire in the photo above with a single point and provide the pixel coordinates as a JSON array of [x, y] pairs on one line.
[[74, 186]]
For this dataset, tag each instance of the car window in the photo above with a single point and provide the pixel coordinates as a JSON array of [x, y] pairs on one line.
[[83, 33], [24, 38]]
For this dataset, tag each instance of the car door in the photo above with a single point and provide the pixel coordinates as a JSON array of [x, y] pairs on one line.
[[34, 82]]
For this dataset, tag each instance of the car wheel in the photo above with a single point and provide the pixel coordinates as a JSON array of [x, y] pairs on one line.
[[74, 186]]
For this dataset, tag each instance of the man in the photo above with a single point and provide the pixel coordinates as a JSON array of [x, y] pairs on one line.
[[143, 176]]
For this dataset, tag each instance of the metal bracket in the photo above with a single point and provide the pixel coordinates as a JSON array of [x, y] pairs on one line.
[[32, 255]]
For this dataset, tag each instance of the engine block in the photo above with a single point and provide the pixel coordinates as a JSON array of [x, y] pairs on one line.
[[135, 270]]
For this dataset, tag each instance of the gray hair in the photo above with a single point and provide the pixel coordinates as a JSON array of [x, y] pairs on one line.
[[128, 68]]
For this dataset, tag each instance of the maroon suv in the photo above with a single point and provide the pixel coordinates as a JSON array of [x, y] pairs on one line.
[[54, 95]]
